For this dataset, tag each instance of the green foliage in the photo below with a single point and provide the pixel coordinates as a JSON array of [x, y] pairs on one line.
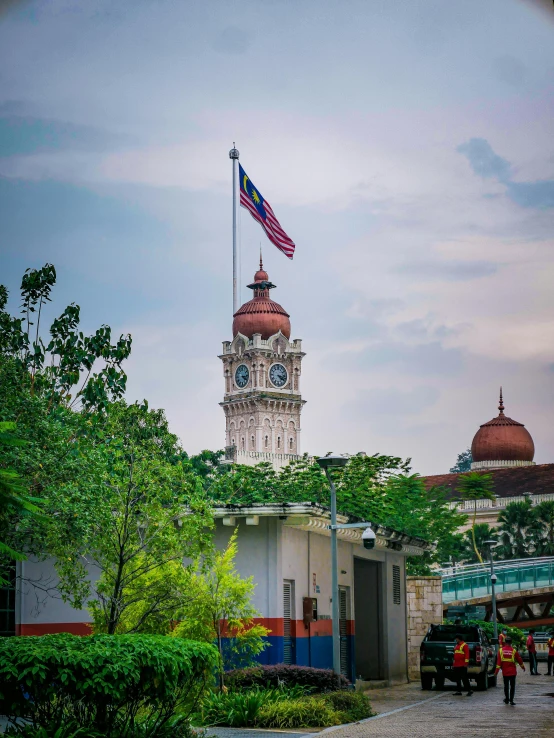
[[375, 488], [109, 684], [288, 675], [476, 486], [308, 712], [518, 529], [153, 513], [352, 706], [61, 369], [518, 636], [177, 726], [544, 528], [463, 462], [483, 532], [220, 607], [13, 494]]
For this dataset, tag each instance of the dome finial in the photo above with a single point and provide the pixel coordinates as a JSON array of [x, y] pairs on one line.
[[501, 404], [261, 262]]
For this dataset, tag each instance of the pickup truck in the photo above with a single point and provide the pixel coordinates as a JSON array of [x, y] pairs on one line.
[[437, 654]]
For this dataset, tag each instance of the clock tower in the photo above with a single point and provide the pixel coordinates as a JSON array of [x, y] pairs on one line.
[[262, 367]]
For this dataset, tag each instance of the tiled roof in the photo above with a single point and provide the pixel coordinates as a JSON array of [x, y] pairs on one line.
[[510, 482]]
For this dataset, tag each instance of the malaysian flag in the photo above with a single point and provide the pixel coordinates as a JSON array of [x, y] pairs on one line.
[[260, 210]]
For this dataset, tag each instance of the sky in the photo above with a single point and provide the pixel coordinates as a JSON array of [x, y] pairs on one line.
[[406, 147]]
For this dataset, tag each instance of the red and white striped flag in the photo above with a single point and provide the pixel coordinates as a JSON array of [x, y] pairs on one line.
[[261, 210]]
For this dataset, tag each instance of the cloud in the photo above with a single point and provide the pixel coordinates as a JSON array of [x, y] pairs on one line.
[[484, 161], [392, 401], [450, 271], [487, 164]]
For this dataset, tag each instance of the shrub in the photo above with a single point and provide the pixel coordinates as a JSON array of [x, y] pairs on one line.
[[352, 706], [103, 682], [518, 637], [240, 709], [319, 680], [307, 712], [176, 727]]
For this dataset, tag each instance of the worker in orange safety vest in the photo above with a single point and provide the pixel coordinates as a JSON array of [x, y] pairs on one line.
[[550, 644], [460, 664], [506, 660], [502, 637]]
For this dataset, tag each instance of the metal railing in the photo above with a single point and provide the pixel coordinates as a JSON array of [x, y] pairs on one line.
[[473, 580], [499, 502]]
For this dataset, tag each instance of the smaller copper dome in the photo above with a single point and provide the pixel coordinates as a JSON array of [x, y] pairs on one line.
[[261, 314], [502, 439]]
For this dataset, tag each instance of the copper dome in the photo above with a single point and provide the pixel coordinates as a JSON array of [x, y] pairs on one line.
[[502, 439], [261, 314]]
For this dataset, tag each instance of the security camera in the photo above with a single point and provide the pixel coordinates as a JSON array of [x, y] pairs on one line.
[[368, 538], [493, 578]]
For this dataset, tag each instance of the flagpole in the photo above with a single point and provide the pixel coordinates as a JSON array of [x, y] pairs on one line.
[[234, 156]]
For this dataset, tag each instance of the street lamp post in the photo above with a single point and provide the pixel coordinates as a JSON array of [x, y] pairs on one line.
[[491, 544], [327, 463]]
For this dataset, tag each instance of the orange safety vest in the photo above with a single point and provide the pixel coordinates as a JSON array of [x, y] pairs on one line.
[[550, 645]]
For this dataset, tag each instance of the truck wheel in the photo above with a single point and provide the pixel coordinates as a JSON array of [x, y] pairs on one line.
[[483, 681], [426, 681], [439, 682], [492, 681]]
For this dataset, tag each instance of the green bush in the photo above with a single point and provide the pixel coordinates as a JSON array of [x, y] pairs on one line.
[[319, 680], [119, 686], [307, 712], [352, 706], [240, 709], [175, 727], [518, 636]]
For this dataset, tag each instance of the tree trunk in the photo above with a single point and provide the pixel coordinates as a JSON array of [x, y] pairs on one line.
[[220, 649], [479, 557]]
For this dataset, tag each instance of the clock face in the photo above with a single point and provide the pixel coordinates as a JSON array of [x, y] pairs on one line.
[[278, 375], [241, 376]]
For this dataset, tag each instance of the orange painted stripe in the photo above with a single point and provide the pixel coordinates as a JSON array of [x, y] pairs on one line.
[[39, 629]]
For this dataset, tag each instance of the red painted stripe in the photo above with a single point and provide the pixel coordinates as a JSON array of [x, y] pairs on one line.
[[39, 629]]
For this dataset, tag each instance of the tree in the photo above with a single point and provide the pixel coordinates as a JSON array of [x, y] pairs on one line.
[[221, 606], [483, 532], [518, 527], [463, 462], [153, 514], [544, 536], [14, 498], [375, 488], [61, 369], [476, 486]]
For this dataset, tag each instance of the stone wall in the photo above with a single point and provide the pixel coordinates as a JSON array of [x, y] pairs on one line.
[[424, 604]]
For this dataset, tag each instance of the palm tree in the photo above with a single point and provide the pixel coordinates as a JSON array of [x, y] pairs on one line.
[[518, 528], [544, 535], [483, 532], [476, 486]]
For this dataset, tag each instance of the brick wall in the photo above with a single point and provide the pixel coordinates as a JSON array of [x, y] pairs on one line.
[[424, 603]]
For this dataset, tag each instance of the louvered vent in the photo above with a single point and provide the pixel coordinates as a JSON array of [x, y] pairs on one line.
[[287, 617], [396, 584]]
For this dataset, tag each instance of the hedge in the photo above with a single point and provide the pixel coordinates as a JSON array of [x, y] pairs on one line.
[[103, 682], [319, 680]]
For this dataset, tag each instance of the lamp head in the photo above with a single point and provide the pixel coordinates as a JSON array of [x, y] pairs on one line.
[[491, 543], [333, 461]]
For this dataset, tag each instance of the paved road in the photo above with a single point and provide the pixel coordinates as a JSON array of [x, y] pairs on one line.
[[407, 712]]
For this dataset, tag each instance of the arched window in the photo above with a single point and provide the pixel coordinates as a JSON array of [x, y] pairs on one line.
[[278, 441], [252, 442], [266, 441], [242, 443], [291, 443], [232, 441]]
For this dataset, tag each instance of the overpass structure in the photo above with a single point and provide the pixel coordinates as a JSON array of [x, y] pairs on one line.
[[524, 590]]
